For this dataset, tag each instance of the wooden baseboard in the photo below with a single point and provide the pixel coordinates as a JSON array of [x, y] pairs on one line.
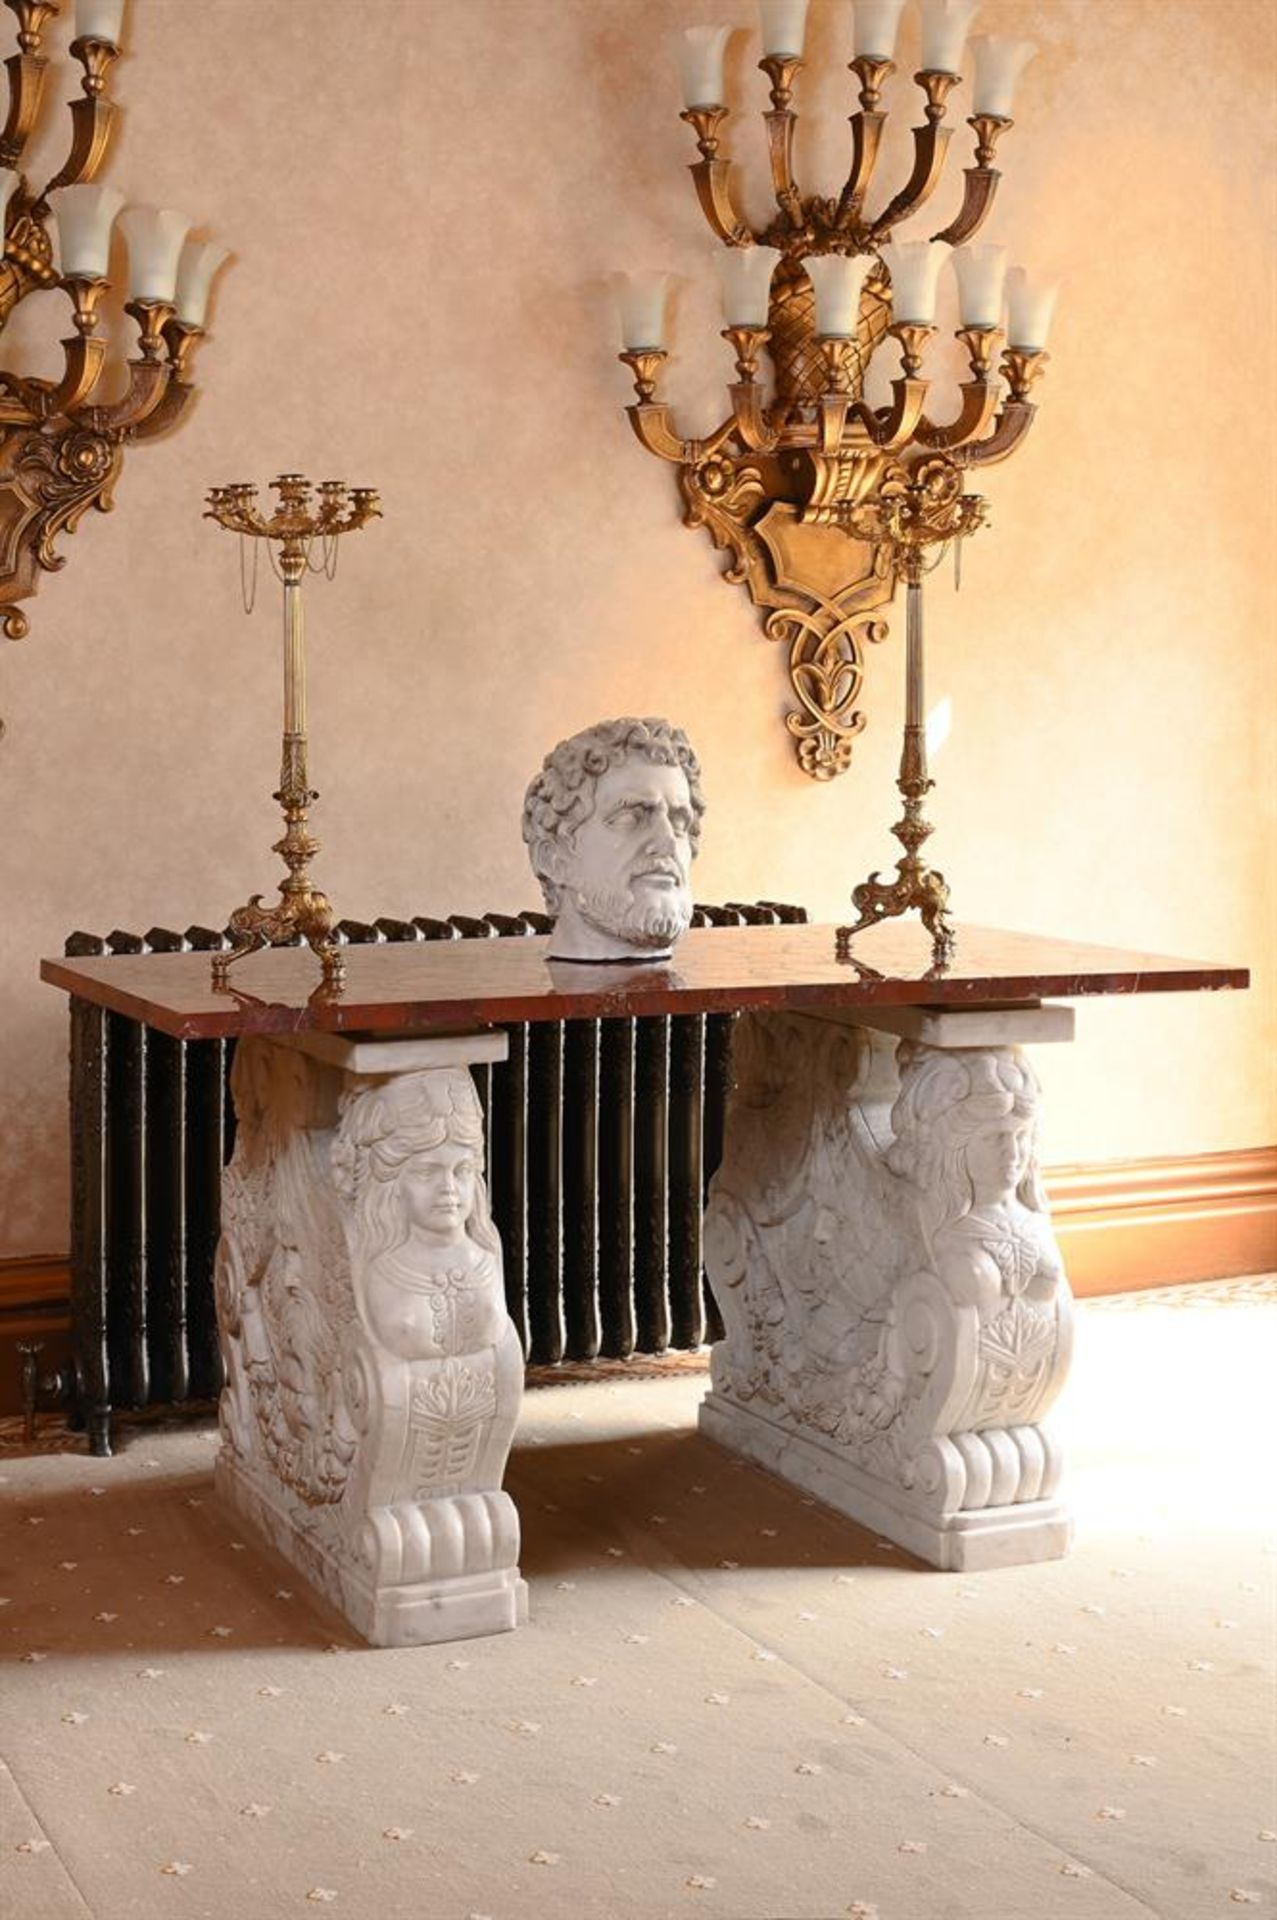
[[34, 1285], [1162, 1223]]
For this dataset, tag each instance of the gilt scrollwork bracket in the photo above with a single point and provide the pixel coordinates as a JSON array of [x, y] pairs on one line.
[[814, 583], [48, 482]]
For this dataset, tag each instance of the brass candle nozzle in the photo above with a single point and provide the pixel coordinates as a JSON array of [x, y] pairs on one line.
[[871, 73], [913, 338], [644, 363]]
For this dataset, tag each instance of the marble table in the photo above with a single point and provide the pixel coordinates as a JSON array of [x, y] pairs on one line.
[[897, 1320]]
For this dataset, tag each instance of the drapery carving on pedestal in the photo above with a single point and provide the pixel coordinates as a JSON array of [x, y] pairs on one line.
[[897, 1318]]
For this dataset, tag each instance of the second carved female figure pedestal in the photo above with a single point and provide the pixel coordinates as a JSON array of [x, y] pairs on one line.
[[897, 1317], [373, 1373]]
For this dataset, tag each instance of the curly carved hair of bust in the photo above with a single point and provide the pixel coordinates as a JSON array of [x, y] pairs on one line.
[[561, 797]]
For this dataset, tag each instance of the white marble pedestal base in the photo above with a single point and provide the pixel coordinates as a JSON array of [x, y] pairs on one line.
[[373, 1375], [897, 1318]]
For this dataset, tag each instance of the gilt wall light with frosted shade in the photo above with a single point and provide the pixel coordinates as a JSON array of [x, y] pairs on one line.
[[822, 501], [62, 442]]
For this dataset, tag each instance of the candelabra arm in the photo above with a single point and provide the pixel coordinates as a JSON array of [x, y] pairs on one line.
[[781, 70], [749, 417], [780, 147], [180, 391], [652, 422], [85, 357], [173, 405], [93, 119], [713, 190], [979, 186], [1013, 424], [895, 426], [979, 404], [148, 381], [866, 138], [27, 73], [930, 145]]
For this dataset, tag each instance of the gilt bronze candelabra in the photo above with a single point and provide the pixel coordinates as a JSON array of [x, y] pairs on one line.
[[293, 527], [780, 484]]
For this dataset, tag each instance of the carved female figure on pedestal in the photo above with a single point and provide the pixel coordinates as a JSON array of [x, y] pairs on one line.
[[426, 1263], [966, 1126]]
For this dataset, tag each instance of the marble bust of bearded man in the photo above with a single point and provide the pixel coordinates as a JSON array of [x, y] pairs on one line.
[[612, 824]]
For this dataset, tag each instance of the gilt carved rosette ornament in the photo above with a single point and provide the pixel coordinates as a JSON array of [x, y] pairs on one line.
[[897, 1318], [783, 484], [62, 441], [373, 1375]]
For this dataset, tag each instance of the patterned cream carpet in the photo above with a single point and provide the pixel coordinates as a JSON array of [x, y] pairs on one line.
[[729, 1703]]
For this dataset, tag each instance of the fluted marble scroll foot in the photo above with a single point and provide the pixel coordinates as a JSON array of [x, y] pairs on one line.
[[897, 1317], [373, 1375]]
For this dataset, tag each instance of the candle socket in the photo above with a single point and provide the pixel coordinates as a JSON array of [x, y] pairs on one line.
[[989, 128], [871, 73], [97, 57], [1022, 366], [746, 343], [644, 363], [152, 316], [706, 121], [937, 85], [981, 344], [180, 340], [913, 338], [780, 69], [85, 292], [33, 16]]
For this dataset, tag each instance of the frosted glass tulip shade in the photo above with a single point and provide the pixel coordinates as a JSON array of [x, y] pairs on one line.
[[876, 24], [944, 33], [700, 59], [1030, 307], [746, 276], [99, 20], [838, 282], [981, 273], [998, 65], [914, 266], [784, 24], [198, 262], [84, 217], [154, 236], [641, 298]]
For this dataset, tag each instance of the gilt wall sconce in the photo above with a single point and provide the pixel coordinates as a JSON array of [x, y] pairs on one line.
[[62, 442], [809, 488]]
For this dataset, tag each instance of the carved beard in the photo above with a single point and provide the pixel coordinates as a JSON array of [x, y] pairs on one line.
[[619, 915]]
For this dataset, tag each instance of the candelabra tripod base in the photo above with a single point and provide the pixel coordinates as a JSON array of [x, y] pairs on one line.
[[917, 889], [305, 915]]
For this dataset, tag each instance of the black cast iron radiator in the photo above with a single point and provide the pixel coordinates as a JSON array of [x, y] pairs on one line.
[[601, 1138]]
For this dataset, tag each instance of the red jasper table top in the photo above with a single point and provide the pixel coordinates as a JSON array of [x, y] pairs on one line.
[[455, 986]]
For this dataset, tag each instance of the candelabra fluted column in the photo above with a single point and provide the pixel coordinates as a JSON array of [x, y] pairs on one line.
[[912, 521], [916, 886]]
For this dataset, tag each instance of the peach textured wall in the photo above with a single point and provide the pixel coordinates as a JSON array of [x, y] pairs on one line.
[[425, 198]]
